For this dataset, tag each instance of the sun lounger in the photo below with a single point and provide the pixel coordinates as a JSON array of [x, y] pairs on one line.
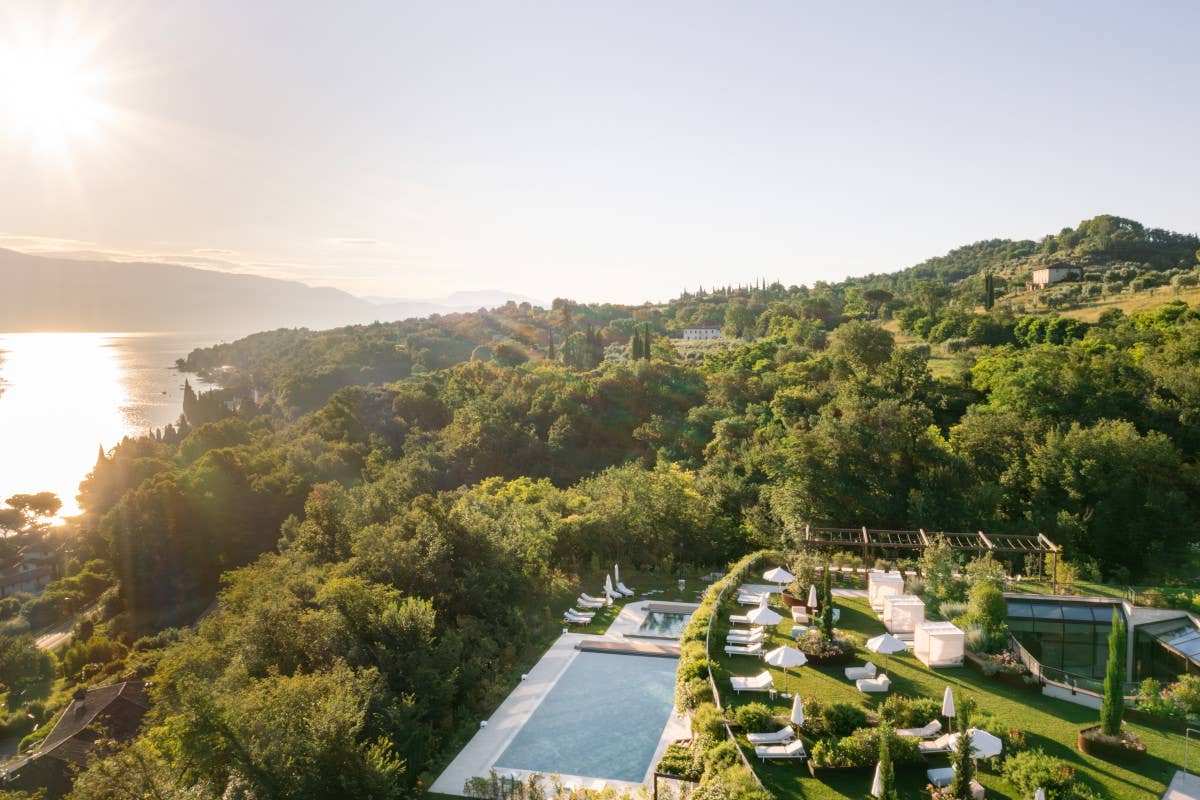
[[612, 598], [589, 602], [942, 744], [859, 673], [584, 615], [800, 615], [750, 599], [625, 590], [932, 729], [758, 683], [739, 619], [737, 637], [792, 750], [781, 736], [574, 620], [876, 685], [744, 649]]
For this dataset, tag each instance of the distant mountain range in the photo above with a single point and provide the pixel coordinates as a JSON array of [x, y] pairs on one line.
[[38, 293]]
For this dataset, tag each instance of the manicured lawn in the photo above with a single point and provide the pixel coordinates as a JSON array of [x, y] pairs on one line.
[[664, 588], [1049, 724]]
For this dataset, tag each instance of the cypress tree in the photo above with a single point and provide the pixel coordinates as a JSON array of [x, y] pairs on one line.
[[887, 771], [1112, 709], [826, 606], [964, 770]]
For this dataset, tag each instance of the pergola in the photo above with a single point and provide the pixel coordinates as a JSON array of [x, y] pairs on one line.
[[874, 541]]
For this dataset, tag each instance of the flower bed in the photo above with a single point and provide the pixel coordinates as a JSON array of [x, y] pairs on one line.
[[1123, 747], [824, 652], [1008, 669]]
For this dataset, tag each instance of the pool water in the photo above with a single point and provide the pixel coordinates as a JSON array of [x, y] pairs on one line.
[[665, 624], [603, 719]]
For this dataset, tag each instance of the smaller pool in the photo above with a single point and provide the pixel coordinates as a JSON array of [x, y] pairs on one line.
[[663, 624]]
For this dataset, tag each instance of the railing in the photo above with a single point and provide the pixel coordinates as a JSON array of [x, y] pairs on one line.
[[712, 682], [1061, 677]]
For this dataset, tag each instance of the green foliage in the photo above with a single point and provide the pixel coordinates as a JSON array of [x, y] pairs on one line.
[[1112, 708], [962, 758], [753, 717], [887, 770], [1033, 769]]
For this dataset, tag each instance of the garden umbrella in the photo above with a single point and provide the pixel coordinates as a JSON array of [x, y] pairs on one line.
[[786, 657], [762, 615], [617, 573], [877, 784], [948, 705], [812, 596], [798, 712], [608, 587], [778, 575], [1040, 794], [983, 744], [886, 644]]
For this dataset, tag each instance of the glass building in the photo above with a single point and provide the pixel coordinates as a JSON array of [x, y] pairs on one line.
[[1066, 635]]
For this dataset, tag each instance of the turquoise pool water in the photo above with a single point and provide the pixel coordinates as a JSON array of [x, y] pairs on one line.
[[603, 719], [663, 623]]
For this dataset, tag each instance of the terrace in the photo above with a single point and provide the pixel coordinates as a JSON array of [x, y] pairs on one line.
[[1045, 723]]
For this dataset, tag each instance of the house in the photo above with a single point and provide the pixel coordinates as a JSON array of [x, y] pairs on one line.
[[1057, 273], [106, 712], [702, 332]]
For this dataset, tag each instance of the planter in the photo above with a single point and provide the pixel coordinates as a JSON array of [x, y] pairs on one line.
[[1110, 748], [790, 601]]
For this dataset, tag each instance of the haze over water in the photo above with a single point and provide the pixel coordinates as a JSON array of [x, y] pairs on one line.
[[63, 395]]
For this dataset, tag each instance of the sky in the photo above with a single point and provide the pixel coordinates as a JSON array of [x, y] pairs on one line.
[[617, 151]]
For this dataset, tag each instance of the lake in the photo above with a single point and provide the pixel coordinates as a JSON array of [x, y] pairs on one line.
[[64, 395]]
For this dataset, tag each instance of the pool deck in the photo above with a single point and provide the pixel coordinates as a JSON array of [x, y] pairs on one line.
[[479, 756]]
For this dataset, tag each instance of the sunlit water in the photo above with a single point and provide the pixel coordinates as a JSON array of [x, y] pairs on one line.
[[63, 395]]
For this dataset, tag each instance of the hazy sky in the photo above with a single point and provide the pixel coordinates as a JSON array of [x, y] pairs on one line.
[[614, 150]]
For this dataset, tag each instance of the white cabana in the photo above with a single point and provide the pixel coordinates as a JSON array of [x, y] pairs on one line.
[[881, 585], [939, 644], [902, 613]]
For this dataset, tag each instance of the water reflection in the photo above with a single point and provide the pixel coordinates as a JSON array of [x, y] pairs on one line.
[[63, 395]]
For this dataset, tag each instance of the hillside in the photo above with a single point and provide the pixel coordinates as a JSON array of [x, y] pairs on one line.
[[60, 294]]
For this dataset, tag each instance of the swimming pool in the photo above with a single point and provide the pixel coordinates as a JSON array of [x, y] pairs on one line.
[[603, 719], [665, 624]]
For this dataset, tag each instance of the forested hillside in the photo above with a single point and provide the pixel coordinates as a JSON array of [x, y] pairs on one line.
[[392, 515]]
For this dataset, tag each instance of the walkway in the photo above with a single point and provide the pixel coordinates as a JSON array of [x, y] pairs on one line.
[[1184, 786]]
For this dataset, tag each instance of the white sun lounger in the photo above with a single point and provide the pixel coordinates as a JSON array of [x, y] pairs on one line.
[[612, 598], [589, 602], [793, 750], [858, 673], [587, 616], [758, 683], [745, 637], [932, 729], [744, 650], [625, 590], [877, 685], [739, 619], [781, 736], [942, 744], [750, 599], [573, 620]]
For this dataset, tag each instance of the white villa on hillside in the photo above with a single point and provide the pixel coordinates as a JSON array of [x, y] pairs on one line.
[[696, 332], [1048, 276]]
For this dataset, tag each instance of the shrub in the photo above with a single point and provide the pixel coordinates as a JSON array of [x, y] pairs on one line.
[[721, 756], [952, 609], [902, 712], [1032, 769], [690, 694], [825, 651], [975, 639], [753, 717], [861, 749], [842, 719], [677, 760], [707, 722]]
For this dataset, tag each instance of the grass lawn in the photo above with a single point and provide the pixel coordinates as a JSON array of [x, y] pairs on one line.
[[1049, 724], [664, 588]]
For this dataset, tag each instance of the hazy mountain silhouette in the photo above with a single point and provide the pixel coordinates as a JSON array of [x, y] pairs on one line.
[[38, 293]]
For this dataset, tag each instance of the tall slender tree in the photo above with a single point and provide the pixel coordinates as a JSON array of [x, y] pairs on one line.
[[887, 770], [1112, 708], [962, 758]]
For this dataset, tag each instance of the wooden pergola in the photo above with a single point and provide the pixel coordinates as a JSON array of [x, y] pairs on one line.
[[873, 541]]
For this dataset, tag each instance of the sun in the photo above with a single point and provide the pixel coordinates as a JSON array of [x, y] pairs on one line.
[[51, 91]]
